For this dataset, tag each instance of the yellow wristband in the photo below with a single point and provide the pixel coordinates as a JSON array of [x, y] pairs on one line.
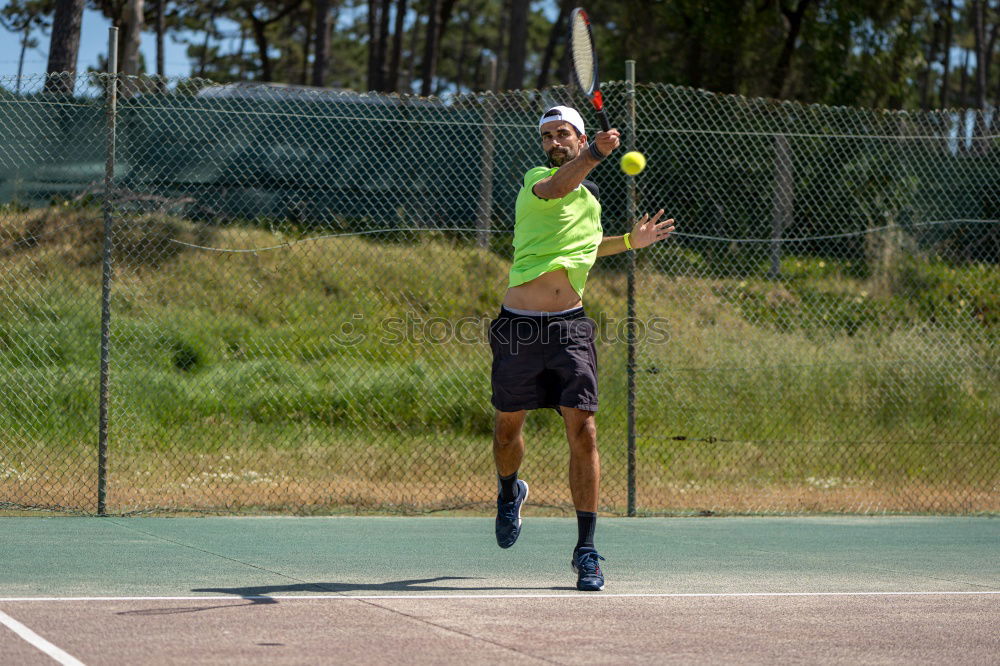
[[628, 241]]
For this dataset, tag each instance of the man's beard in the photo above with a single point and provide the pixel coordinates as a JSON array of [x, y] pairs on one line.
[[560, 159]]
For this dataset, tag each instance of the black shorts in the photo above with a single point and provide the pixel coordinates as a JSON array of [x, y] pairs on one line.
[[543, 361]]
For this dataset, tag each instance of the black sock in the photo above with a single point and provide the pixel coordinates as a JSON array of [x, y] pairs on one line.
[[508, 487], [585, 524]]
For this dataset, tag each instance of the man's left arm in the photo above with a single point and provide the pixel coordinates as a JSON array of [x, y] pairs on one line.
[[645, 232]]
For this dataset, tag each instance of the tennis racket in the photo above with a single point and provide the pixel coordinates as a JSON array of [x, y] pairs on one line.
[[581, 47]]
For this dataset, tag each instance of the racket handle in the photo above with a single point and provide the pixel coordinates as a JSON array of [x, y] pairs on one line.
[[603, 117]]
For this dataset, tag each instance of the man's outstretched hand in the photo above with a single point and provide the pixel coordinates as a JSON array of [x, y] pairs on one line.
[[647, 231]]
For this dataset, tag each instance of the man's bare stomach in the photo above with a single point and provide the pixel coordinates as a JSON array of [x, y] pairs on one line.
[[549, 292]]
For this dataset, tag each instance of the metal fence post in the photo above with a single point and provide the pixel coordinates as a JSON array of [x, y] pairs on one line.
[[106, 273], [630, 317], [484, 214]]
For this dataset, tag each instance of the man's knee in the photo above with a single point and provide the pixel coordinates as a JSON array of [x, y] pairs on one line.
[[506, 438], [578, 419], [507, 428]]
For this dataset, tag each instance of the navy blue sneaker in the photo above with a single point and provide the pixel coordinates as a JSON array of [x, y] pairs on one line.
[[509, 517], [586, 566]]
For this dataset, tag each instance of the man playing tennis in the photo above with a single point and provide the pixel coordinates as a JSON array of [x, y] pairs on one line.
[[542, 341]]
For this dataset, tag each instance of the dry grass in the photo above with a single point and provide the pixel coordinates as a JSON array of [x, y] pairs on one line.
[[341, 478]]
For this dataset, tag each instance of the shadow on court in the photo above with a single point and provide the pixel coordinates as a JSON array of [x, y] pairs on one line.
[[409, 585], [264, 594]]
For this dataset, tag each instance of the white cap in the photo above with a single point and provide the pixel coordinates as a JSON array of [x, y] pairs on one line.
[[566, 115]]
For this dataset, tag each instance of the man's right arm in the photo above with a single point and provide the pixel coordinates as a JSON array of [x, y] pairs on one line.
[[569, 176]]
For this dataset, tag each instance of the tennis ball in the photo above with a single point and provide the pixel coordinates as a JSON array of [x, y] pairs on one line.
[[633, 162]]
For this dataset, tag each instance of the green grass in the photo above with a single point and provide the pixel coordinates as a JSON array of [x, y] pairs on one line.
[[320, 375]]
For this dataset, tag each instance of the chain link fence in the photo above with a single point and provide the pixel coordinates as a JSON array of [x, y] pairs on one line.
[[302, 281]]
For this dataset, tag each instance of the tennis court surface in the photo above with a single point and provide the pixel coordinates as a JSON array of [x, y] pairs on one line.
[[438, 590]]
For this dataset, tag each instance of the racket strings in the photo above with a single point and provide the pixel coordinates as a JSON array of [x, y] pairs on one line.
[[582, 52]]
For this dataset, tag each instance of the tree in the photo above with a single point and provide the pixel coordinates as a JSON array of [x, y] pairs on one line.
[[23, 18], [132, 24], [517, 43], [902, 48], [932, 56], [793, 15], [978, 12], [431, 49], [129, 17], [984, 39], [438, 18], [293, 38], [195, 21], [948, 19], [161, 27], [906, 53], [376, 53], [210, 32], [64, 47], [392, 79], [261, 16], [321, 52], [557, 35], [382, 69]]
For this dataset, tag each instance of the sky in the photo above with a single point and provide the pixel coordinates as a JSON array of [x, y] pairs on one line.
[[93, 42]]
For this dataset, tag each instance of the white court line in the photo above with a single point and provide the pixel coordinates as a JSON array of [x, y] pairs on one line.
[[570, 595], [37, 641]]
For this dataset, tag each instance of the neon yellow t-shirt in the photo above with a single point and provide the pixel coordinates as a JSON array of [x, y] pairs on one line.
[[550, 234]]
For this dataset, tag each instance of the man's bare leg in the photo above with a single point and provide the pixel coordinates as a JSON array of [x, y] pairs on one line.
[[508, 443], [584, 460]]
